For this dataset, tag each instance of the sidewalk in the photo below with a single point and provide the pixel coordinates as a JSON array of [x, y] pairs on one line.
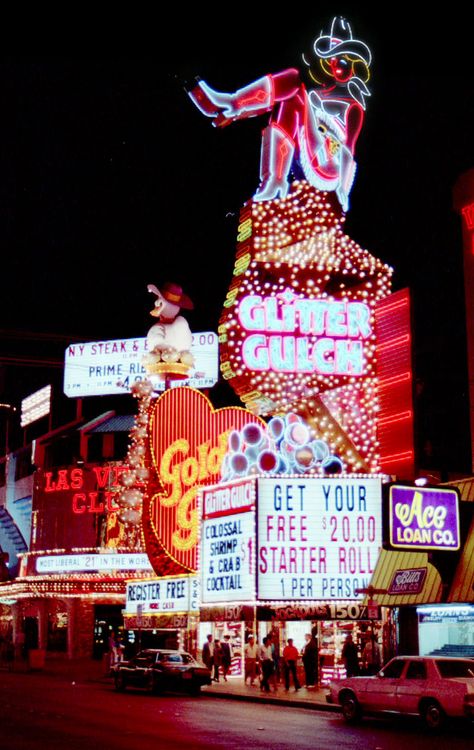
[[234, 688]]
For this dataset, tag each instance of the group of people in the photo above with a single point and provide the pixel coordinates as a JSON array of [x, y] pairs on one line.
[[265, 661], [369, 661], [216, 655]]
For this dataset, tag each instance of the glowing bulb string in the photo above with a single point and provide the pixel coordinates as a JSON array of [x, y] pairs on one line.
[[134, 479]]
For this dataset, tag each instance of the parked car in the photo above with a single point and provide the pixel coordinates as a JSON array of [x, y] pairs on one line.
[[162, 669], [431, 687]]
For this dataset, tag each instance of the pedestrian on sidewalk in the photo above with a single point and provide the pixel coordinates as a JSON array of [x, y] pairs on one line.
[[266, 661], [217, 658], [226, 658], [114, 653], [290, 661], [251, 654], [310, 660], [350, 657], [371, 657], [208, 653], [275, 643]]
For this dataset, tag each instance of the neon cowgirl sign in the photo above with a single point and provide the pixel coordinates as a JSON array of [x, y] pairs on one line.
[[316, 114], [327, 335]]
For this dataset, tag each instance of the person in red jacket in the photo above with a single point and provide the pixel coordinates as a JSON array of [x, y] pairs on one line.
[[290, 661], [316, 115]]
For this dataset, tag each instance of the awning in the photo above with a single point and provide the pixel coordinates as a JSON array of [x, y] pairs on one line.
[[465, 487], [115, 424], [389, 563]]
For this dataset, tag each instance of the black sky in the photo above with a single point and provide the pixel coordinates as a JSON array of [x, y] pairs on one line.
[[110, 179]]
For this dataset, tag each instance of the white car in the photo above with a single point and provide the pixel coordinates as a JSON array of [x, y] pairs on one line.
[[431, 687]]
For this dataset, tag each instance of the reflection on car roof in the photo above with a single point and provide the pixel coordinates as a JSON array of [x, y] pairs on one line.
[[161, 651]]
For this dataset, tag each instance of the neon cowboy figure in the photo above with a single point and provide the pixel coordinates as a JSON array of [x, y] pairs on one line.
[[313, 126]]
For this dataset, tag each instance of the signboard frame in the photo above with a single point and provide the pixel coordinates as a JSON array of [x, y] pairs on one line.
[[167, 595], [230, 518], [306, 593], [107, 368], [435, 525]]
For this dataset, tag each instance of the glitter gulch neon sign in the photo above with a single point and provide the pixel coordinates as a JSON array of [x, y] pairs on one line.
[[304, 335]]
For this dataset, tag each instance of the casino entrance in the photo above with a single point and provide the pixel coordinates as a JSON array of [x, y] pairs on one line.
[[330, 624]]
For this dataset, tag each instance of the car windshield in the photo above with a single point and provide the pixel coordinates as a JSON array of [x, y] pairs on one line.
[[456, 668], [173, 658]]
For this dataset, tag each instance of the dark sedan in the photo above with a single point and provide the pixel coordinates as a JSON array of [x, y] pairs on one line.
[[162, 669]]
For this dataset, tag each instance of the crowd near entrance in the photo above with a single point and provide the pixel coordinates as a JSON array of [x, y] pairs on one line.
[[321, 650]]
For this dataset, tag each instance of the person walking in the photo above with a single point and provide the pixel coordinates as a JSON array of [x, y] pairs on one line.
[[226, 657], [208, 653], [371, 656], [275, 644], [310, 660], [251, 654], [290, 661], [266, 661], [217, 658], [350, 657]]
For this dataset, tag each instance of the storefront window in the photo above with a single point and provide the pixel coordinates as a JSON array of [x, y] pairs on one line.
[[446, 630], [219, 630]]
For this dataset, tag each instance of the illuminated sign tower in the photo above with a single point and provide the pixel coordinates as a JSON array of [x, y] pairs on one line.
[[297, 330]]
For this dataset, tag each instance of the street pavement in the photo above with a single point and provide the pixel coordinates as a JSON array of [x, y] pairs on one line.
[[75, 708], [90, 670]]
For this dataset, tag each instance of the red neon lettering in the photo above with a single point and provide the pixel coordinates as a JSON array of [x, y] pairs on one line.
[[49, 485], [94, 507], [102, 475], [62, 483], [77, 479], [79, 502]]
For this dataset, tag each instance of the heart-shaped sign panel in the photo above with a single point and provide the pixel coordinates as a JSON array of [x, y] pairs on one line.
[[188, 441]]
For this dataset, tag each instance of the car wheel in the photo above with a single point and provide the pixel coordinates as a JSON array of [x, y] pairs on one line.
[[194, 690], [433, 715], [119, 682], [350, 708]]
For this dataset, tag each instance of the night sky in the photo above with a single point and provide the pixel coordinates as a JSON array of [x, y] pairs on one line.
[[110, 179]]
